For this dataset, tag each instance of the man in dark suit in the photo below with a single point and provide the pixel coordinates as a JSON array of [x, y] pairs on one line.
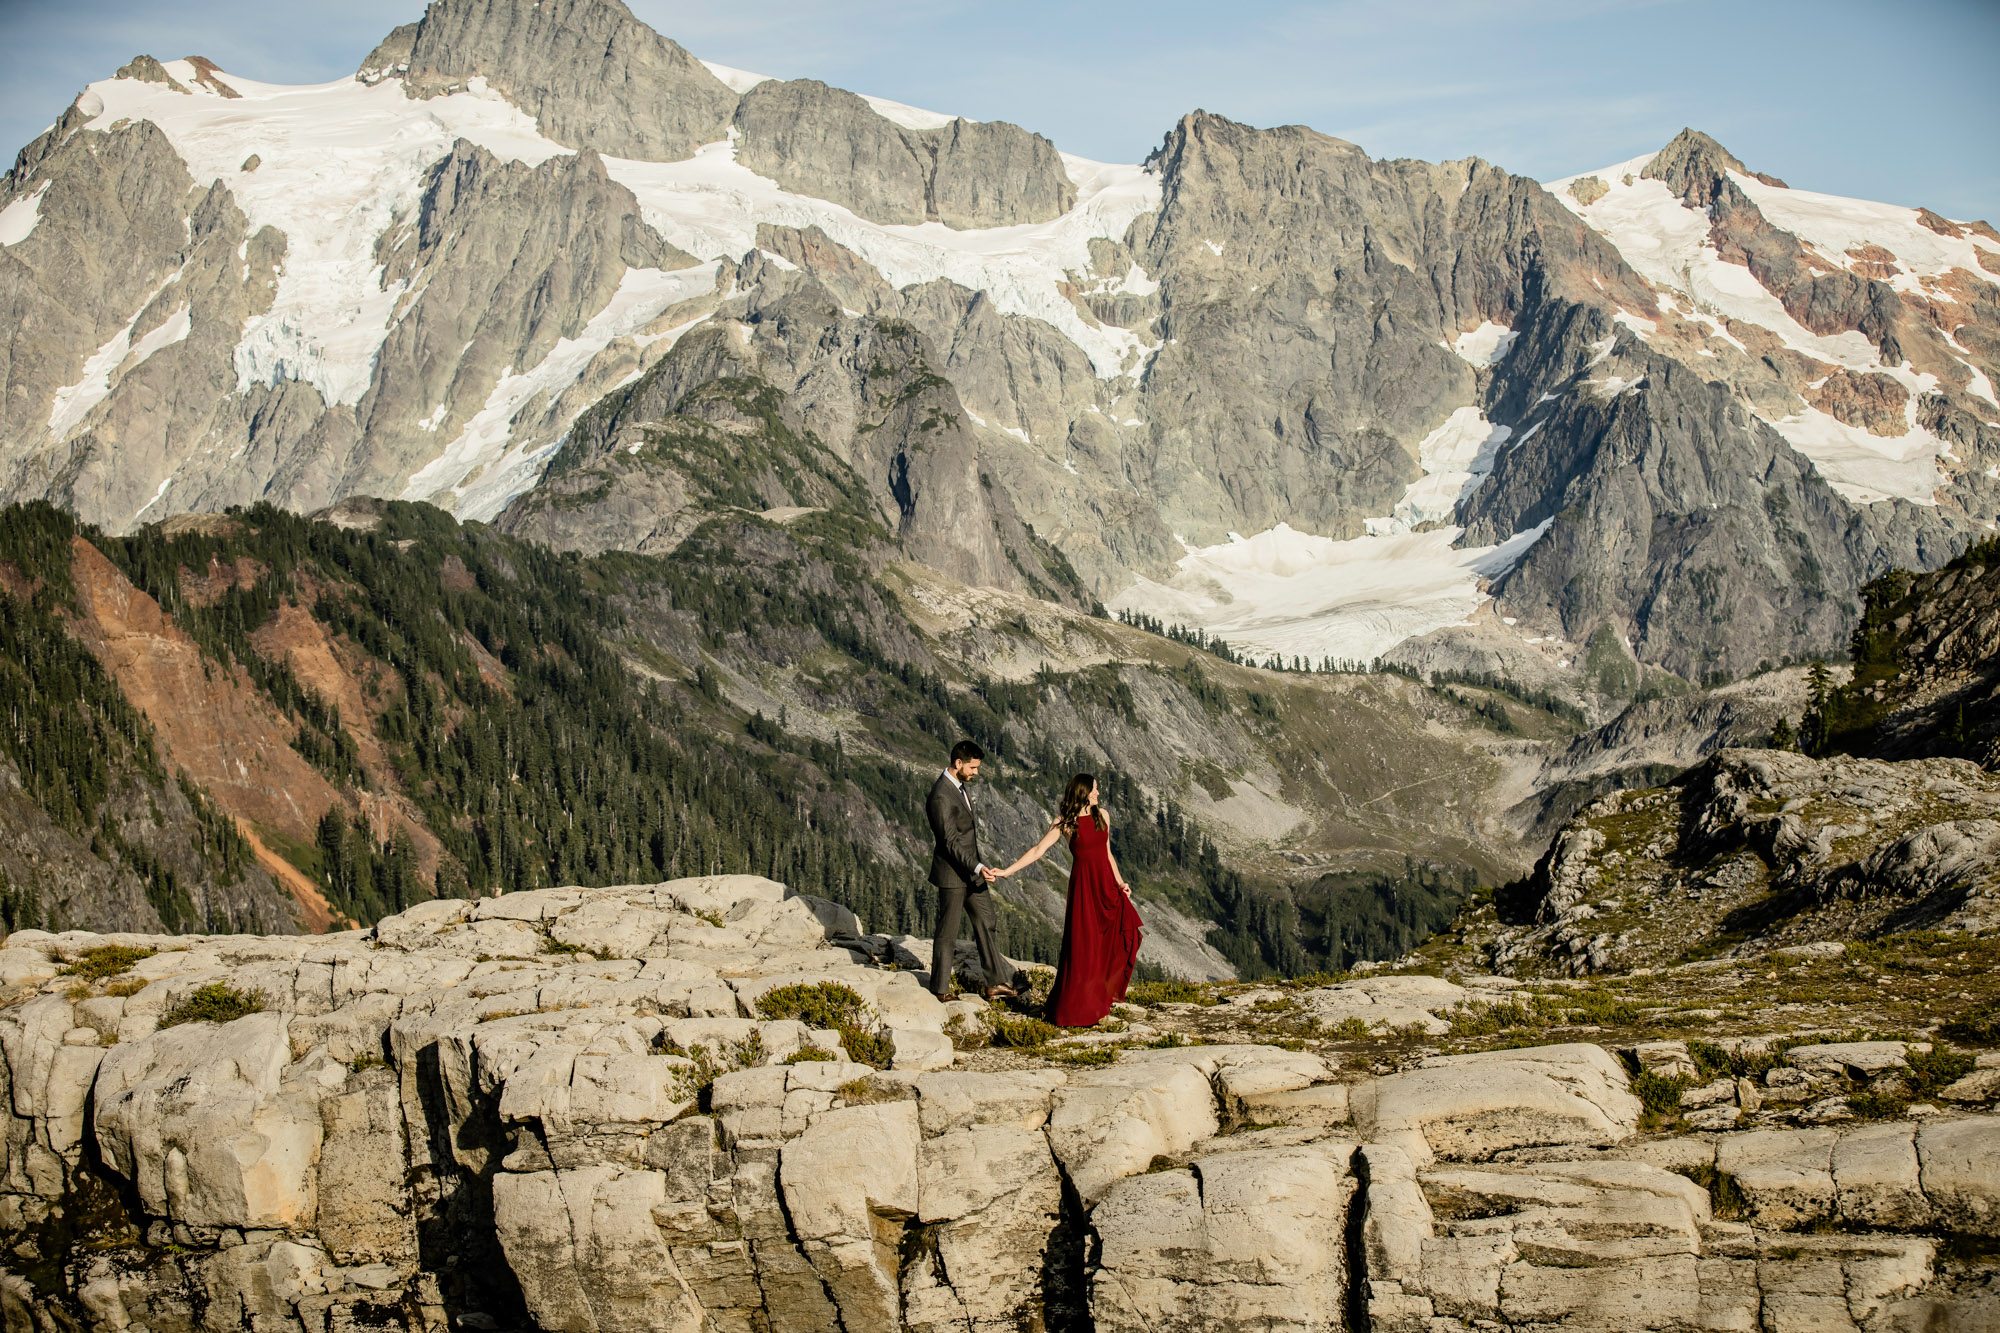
[[960, 876]]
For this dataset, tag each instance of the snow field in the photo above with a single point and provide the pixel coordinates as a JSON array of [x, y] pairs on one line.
[[118, 355], [1455, 457], [18, 219], [1668, 244], [1288, 593], [340, 163], [1486, 345]]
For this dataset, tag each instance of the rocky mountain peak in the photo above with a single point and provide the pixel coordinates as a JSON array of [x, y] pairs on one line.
[[591, 74], [148, 70], [1692, 165]]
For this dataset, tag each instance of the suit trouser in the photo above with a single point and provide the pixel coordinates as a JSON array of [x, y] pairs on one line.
[[977, 904]]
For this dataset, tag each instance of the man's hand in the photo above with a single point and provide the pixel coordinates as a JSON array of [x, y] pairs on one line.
[[989, 873]]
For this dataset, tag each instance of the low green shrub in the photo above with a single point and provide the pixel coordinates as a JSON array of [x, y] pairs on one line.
[[1725, 1196], [809, 1055], [1659, 1099], [867, 1092], [1172, 991], [1601, 1008], [1936, 1069], [1712, 1061], [217, 1002], [692, 1082], [1022, 1032], [106, 960], [1869, 1104], [867, 1048], [830, 1004], [819, 1004], [1083, 1055], [1977, 1026]]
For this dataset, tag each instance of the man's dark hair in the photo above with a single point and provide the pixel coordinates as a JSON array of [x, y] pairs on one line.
[[965, 750]]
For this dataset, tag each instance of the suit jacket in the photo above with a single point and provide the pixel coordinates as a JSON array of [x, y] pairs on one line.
[[955, 830]]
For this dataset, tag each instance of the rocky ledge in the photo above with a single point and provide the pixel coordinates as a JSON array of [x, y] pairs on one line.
[[712, 1104]]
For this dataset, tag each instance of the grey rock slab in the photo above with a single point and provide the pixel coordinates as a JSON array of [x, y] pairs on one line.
[[1865, 1059], [588, 1257], [203, 1121], [1876, 1178], [962, 1100], [1956, 1167], [1981, 1085], [1109, 1123], [1249, 1239], [1786, 1175], [853, 1166], [821, 141], [1469, 1106], [966, 1171]]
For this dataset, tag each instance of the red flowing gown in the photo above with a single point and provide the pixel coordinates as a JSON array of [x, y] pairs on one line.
[[1100, 934]]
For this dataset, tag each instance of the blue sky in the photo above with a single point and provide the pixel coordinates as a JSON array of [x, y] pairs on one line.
[[1884, 101]]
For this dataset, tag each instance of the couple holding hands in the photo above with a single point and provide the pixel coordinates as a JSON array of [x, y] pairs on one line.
[[1100, 942]]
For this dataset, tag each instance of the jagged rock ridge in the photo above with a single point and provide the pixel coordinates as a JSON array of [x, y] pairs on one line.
[[1159, 357]]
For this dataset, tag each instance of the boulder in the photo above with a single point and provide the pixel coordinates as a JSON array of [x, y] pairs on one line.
[[1109, 1123], [1843, 1283], [1466, 1107], [1981, 1085], [1786, 1175], [1955, 1161], [1593, 1244], [1668, 1059], [365, 1212], [838, 922], [1252, 1239], [1386, 1003], [992, 1194], [951, 1101], [211, 1125], [1875, 1177], [849, 1184], [1856, 1059], [584, 1248]]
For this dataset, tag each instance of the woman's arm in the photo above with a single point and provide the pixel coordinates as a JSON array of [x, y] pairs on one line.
[[1034, 854], [1116, 873]]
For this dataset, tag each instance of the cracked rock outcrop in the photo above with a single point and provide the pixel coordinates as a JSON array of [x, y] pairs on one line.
[[575, 1109], [1761, 848]]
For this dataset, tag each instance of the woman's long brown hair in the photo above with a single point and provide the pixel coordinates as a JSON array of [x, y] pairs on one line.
[[1076, 800]]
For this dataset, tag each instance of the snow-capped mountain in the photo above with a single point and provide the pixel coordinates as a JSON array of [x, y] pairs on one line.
[[1322, 404]]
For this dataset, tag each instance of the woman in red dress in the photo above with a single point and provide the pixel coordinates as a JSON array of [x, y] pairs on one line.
[[1101, 927]]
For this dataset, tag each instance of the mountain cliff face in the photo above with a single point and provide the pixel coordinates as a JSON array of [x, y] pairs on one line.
[[1604, 402], [825, 142]]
